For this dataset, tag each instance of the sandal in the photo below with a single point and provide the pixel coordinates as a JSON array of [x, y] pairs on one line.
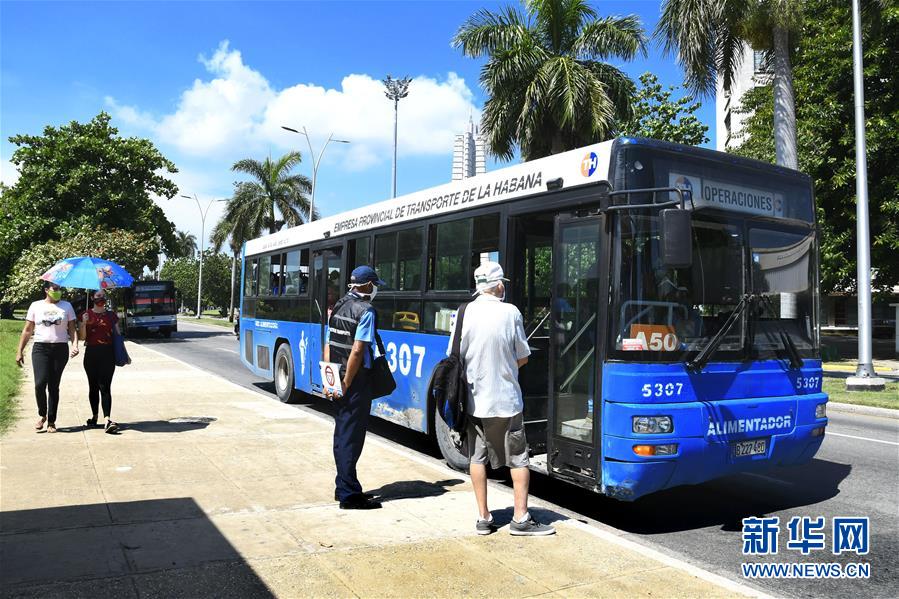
[[91, 422], [51, 428], [40, 423], [112, 427]]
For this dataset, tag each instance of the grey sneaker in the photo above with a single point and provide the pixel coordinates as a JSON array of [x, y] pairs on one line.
[[485, 527], [530, 528]]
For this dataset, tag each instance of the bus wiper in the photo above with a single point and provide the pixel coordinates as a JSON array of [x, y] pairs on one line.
[[702, 358], [789, 344]]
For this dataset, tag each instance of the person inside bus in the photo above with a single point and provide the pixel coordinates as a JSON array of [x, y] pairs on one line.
[[493, 348], [350, 342], [97, 328], [51, 321]]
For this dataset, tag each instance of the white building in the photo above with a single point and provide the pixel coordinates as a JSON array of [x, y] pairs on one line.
[[469, 153], [752, 72]]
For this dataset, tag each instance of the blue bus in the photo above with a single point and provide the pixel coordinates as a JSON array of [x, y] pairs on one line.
[[669, 293]]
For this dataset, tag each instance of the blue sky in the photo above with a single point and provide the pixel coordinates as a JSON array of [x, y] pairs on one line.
[[211, 82]]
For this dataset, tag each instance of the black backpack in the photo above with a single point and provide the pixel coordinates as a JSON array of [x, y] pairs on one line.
[[449, 388]]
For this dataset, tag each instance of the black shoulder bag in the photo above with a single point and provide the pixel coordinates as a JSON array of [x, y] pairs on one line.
[[382, 382], [449, 388]]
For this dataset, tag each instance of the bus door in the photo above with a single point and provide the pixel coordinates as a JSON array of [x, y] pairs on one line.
[[573, 450], [531, 275], [327, 287]]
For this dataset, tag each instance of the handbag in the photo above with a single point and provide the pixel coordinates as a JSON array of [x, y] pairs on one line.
[[118, 347], [382, 381]]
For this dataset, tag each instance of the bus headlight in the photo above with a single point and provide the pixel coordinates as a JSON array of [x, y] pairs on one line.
[[821, 410], [652, 425]]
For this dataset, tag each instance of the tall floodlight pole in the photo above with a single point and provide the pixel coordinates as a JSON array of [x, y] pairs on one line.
[[865, 377], [397, 89], [315, 161], [203, 214]]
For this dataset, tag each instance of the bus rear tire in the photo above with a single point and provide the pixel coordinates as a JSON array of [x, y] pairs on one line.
[[284, 374], [455, 459]]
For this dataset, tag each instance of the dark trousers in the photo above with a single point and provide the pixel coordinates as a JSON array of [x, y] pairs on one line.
[[350, 426], [48, 361], [99, 364]]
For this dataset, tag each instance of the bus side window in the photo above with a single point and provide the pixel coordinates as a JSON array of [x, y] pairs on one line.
[[292, 273], [484, 241], [409, 248], [448, 255], [385, 259], [359, 251], [277, 277], [249, 283], [303, 279], [264, 280]]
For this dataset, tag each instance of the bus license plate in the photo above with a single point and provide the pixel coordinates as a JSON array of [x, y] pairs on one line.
[[752, 447]]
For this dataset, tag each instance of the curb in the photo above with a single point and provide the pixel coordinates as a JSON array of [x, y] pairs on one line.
[[865, 410]]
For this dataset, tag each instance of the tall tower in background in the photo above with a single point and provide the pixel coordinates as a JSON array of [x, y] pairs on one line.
[[469, 153]]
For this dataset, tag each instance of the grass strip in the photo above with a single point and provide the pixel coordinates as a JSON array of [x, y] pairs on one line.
[[888, 398], [10, 373]]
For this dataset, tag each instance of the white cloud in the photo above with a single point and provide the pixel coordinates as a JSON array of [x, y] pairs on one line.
[[238, 111], [9, 174]]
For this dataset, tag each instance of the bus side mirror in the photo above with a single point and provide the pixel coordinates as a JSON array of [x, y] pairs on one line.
[[677, 238]]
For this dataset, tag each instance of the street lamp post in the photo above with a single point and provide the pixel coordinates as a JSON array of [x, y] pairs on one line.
[[397, 89], [203, 214], [865, 377], [315, 161]]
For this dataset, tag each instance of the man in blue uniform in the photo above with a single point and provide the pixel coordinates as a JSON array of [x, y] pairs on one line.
[[351, 343]]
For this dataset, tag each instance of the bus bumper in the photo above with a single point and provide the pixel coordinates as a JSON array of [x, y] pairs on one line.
[[705, 440]]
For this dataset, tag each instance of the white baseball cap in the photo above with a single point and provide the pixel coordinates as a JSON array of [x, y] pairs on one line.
[[487, 276]]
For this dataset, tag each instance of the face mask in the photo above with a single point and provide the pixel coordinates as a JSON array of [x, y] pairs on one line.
[[374, 292], [55, 294], [100, 302]]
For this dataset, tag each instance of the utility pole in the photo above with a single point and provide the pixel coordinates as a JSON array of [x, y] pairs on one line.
[[865, 378], [397, 89]]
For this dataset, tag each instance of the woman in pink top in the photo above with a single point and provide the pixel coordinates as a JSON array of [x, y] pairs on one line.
[[51, 321]]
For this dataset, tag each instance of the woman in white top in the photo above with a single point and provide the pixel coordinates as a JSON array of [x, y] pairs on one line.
[[52, 323]]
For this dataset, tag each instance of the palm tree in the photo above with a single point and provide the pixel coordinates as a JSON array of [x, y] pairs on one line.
[[549, 89], [709, 37], [274, 197], [186, 244]]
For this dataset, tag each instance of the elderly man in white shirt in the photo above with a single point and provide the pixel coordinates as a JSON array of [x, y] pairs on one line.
[[494, 347]]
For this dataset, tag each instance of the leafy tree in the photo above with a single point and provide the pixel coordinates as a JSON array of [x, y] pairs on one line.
[[235, 233], [709, 37], [274, 197], [657, 116], [184, 273], [548, 85], [185, 244], [823, 79], [128, 249], [83, 175]]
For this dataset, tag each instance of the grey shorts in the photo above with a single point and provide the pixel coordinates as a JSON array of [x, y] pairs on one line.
[[499, 439]]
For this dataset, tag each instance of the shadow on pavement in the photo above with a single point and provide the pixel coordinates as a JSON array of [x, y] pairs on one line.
[[409, 489], [173, 425], [723, 502], [543, 516], [161, 547]]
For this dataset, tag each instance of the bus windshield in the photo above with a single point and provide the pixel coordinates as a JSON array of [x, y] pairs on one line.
[[146, 302], [669, 315], [664, 314]]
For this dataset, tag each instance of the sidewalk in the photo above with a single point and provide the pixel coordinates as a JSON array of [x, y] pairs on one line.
[[213, 490]]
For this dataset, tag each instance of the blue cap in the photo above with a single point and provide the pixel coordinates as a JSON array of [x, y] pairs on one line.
[[365, 274]]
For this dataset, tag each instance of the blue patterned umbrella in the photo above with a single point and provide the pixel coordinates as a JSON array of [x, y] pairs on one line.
[[85, 272]]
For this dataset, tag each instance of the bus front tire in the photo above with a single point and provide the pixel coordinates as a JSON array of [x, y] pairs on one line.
[[284, 374], [455, 459]]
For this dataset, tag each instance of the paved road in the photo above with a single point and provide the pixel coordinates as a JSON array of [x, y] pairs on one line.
[[856, 473]]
